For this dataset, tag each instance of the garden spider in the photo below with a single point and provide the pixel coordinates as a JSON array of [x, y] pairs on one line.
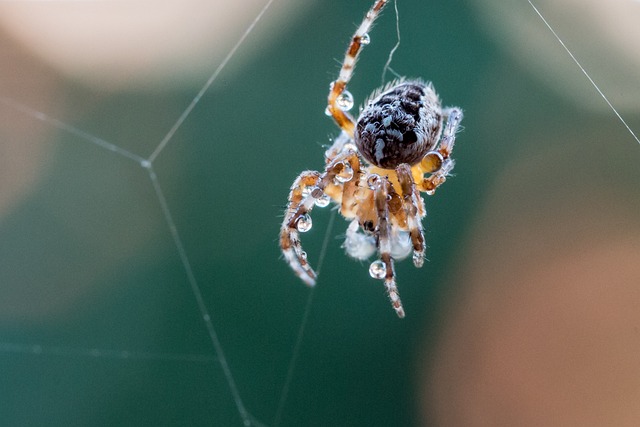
[[375, 171]]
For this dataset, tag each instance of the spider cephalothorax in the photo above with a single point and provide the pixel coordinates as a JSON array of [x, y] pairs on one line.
[[400, 125], [375, 171]]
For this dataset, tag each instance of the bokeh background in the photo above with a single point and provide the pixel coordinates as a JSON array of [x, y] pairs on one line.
[[526, 314]]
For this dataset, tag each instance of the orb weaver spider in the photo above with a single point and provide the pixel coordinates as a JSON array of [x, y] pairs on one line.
[[399, 146]]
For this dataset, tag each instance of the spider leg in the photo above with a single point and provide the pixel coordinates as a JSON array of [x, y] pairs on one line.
[[296, 219], [410, 198], [307, 191], [386, 269], [360, 38], [454, 117], [439, 163]]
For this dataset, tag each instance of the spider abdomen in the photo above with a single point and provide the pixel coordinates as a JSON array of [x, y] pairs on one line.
[[400, 125]]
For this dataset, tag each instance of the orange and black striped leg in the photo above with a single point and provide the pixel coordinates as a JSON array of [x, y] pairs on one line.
[[340, 101], [383, 268], [410, 202], [297, 220], [307, 191]]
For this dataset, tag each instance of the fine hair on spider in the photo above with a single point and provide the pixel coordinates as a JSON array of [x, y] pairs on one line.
[[375, 171]]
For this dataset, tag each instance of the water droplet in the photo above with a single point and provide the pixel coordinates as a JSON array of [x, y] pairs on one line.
[[365, 39], [432, 162], [323, 201], [320, 198], [344, 101], [377, 269], [315, 192], [304, 223], [373, 181], [430, 192], [346, 174], [327, 111]]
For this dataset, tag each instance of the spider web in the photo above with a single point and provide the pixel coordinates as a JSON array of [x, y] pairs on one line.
[[139, 270]]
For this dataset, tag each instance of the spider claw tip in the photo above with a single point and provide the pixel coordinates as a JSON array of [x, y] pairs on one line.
[[309, 281], [418, 259]]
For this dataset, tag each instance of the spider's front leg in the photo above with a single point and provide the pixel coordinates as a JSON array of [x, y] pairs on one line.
[[307, 191], [340, 101], [383, 268]]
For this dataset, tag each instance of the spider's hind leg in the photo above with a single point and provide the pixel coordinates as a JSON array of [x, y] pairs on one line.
[[383, 269], [411, 200]]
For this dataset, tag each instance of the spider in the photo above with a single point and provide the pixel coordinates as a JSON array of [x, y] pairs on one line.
[[375, 170]]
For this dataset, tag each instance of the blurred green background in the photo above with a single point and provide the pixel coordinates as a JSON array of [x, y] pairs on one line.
[[98, 321]]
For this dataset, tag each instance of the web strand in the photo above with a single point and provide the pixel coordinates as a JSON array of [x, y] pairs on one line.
[[303, 325], [101, 353], [246, 417], [197, 292], [387, 65], [70, 129], [593, 83], [123, 354], [208, 84]]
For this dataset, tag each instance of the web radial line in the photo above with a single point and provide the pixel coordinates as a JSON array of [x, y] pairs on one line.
[[394, 48], [303, 324], [197, 293], [584, 72], [70, 129], [100, 353], [208, 84]]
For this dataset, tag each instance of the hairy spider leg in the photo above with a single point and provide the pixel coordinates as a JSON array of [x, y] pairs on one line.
[[343, 168], [411, 201], [289, 237], [383, 231], [360, 38], [438, 163]]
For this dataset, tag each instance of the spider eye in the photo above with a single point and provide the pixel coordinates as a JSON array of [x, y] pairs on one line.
[[409, 137]]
